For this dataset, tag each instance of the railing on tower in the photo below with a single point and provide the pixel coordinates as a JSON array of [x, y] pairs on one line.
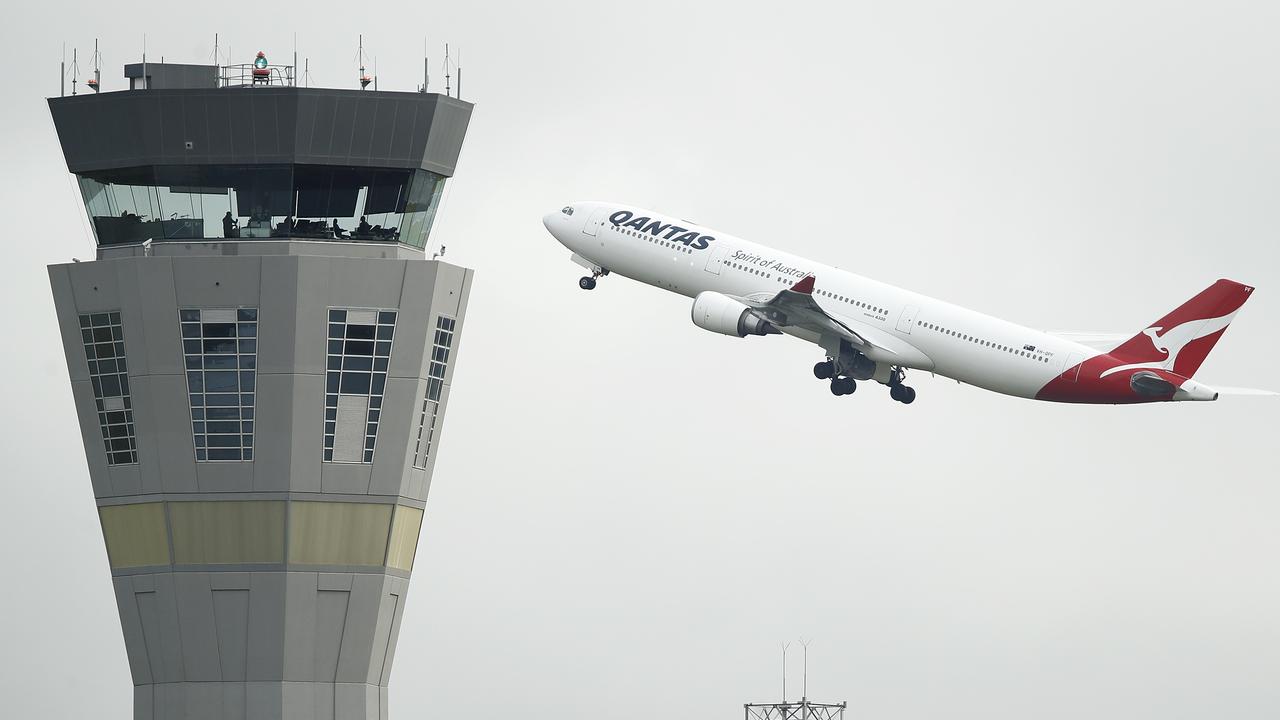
[[256, 73]]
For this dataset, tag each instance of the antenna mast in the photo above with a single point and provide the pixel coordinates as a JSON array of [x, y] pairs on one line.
[[96, 81], [784, 670], [804, 688], [364, 79], [447, 88]]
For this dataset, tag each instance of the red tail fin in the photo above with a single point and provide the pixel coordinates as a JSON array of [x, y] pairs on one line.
[[1181, 340]]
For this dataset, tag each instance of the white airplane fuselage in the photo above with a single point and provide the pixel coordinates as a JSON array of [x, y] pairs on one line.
[[903, 328]]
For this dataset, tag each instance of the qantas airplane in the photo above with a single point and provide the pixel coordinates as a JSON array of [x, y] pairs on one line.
[[873, 331]]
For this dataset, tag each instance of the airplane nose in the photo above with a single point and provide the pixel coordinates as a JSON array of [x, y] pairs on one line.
[[549, 220]]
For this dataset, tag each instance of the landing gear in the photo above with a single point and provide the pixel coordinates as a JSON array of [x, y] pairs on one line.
[[902, 393], [897, 390], [587, 282], [824, 370], [843, 386]]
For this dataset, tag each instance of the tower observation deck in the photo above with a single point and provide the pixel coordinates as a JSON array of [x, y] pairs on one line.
[[260, 356]]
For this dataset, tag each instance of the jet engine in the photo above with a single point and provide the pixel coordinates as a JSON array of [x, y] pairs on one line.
[[722, 314]]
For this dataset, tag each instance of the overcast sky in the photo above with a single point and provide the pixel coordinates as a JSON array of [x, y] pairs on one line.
[[629, 513]]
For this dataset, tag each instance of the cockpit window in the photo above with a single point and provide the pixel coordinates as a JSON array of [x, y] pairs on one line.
[[567, 210]]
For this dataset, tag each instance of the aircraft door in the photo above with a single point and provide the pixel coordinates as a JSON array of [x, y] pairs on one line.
[[593, 223], [716, 259], [907, 319]]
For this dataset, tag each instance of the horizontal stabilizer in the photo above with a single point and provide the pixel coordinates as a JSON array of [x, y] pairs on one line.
[[1244, 391]]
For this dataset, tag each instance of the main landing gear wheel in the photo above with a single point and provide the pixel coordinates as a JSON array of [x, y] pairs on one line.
[[824, 370], [903, 394], [587, 282], [843, 386]]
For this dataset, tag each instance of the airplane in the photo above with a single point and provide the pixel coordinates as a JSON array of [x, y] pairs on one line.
[[871, 331]]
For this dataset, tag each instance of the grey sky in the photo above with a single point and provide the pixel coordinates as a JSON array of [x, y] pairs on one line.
[[629, 511]]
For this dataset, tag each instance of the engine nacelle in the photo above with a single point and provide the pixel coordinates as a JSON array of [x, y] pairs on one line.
[[722, 314]]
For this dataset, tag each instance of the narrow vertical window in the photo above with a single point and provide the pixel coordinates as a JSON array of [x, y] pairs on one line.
[[103, 337], [220, 348], [358, 352], [440, 346]]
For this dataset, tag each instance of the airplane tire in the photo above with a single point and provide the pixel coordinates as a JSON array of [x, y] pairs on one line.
[[843, 386], [909, 396], [898, 392], [587, 283], [824, 370]]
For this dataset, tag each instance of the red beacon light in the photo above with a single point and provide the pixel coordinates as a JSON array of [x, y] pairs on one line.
[[364, 81], [93, 84], [260, 71]]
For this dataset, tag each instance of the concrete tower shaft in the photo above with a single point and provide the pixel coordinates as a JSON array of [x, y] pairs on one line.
[[260, 381]]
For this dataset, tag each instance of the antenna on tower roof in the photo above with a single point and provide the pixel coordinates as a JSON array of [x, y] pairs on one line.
[[95, 82], [448, 90], [804, 688], [364, 79], [426, 67], [784, 670], [75, 69]]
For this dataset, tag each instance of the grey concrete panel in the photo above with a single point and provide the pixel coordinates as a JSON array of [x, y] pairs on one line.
[[360, 634], [312, 316], [351, 700], [261, 126], [91, 434], [131, 625], [365, 283], [387, 612], [307, 440], [263, 701], [226, 476], [346, 477], [415, 322], [401, 409], [299, 702], [234, 700], [217, 282], [231, 628], [143, 702], [199, 640], [265, 655], [300, 626], [158, 312], [199, 700], [331, 622], [158, 611], [169, 420], [277, 315], [95, 286], [145, 476], [397, 588], [274, 433], [64, 304]]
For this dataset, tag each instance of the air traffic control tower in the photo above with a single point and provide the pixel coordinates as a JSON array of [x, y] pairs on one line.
[[260, 355]]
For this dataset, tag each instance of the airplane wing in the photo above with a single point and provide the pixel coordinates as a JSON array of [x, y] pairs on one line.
[[796, 307]]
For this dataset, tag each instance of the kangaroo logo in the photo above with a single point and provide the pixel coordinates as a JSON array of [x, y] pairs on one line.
[[1172, 341]]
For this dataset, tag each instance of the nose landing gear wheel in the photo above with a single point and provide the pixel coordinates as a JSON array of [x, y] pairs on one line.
[[824, 370], [587, 282], [843, 386]]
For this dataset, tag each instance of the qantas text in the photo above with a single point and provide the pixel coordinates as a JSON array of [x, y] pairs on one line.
[[657, 228]]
